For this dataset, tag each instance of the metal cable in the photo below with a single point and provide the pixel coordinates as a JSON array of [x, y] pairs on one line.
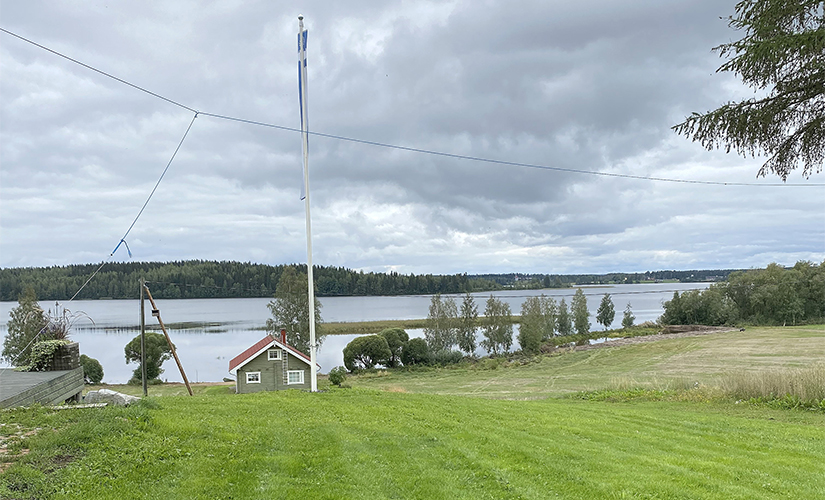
[[411, 149], [64, 56]]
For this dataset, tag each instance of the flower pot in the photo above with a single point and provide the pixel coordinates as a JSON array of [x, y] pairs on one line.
[[66, 357]]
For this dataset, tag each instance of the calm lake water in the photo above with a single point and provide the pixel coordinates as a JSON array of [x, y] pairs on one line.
[[216, 330]]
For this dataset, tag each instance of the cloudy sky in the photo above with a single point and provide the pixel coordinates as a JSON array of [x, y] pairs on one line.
[[588, 85]]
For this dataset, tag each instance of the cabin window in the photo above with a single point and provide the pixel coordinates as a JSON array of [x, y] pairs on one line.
[[253, 377], [295, 377], [274, 354]]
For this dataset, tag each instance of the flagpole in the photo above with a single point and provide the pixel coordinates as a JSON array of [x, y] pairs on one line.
[[302, 77]]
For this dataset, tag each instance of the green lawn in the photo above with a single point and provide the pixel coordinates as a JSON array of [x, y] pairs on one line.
[[676, 362], [369, 444], [444, 434]]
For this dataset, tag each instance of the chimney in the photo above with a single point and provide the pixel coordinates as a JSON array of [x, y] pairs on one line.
[[283, 335]]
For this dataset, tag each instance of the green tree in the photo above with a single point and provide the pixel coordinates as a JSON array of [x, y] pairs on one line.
[[467, 325], [776, 296], [782, 51], [498, 327], [606, 312], [26, 321], [290, 311], [564, 323], [628, 318], [92, 369], [673, 314], [415, 352], [700, 307], [812, 289], [581, 316], [365, 352], [396, 338], [157, 351], [441, 324], [532, 325], [549, 313]]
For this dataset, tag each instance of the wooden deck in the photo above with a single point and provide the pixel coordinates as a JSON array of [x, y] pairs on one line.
[[46, 388]]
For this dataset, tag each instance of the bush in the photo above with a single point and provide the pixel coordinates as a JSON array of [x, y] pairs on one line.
[[446, 357], [92, 369], [396, 338], [337, 375], [415, 352], [42, 354], [366, 352]]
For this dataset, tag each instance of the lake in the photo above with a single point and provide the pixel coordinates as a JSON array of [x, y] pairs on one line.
[[216, 330]]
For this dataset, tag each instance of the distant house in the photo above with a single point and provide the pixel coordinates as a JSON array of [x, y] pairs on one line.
[[270, 365]]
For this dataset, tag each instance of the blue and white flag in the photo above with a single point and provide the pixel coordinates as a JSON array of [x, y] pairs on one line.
[[302, 101]]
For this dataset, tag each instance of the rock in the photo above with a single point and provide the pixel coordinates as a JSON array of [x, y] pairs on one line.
[[111, 397]]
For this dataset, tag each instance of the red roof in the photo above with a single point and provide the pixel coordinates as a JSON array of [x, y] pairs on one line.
[[259, 346]]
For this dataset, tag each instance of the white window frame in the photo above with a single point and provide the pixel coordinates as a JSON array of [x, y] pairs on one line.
[[289, 374], [276, 357], [253, 374]]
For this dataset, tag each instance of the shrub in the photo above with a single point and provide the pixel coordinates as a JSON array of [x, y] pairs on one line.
[[415, 352], [337, 375], [92, 369], [42, 354], [366, 352], [396, 338], [446, 357]]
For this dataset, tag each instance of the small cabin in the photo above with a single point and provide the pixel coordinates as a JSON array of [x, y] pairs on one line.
[[271, 365]]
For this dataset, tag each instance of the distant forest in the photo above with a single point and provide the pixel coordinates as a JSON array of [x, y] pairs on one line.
[[209, 279]]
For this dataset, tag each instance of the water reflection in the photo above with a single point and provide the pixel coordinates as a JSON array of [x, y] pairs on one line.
[[210, 332]]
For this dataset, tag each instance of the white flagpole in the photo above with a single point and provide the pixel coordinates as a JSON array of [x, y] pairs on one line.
[[302, 68]]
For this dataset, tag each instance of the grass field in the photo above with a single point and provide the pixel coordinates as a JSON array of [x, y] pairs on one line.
[[446, 433], [668, 363], [369, 444]]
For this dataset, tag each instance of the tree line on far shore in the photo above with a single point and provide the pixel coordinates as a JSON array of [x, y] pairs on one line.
[[209, 279], [197, 279]]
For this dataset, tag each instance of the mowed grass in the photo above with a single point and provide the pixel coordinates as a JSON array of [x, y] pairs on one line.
[[169, 389], [467, 432], [365, 444], [668, 363]]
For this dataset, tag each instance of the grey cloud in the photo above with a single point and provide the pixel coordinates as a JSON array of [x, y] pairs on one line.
[[584, 85]]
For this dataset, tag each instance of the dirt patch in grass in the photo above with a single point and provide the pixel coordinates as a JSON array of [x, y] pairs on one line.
[[58, 462], [11, 445]]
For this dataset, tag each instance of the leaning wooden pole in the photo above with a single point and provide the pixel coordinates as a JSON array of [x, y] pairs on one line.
[[143, 338], [171, 345]]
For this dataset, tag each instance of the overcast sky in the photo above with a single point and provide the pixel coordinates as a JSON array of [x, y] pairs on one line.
[[582, 85]]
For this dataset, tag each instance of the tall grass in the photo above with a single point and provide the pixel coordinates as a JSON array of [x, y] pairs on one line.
[[783, 388], [807, 385]]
